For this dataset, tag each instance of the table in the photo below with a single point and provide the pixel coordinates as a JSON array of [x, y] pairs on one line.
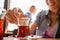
[[12, 38]]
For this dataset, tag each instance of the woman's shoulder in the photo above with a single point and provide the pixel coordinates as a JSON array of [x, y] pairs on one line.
[[42, 12]]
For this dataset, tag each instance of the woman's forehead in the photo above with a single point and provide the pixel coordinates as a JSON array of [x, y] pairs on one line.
[[53, 1]]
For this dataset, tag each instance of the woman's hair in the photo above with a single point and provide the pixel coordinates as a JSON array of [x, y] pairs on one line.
[[32, 7]]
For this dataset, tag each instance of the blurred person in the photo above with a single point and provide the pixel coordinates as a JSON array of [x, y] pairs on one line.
[[11, 20], [12, 15], [47, 20], [31, 13]]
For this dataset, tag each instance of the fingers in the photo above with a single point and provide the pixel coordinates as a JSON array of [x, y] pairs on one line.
[[10, 14], [10, 17], [9, 20]]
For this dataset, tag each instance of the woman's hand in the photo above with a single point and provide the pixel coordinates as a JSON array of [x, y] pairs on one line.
[[12, 15]]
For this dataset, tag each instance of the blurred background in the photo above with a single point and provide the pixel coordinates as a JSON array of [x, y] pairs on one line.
[[24, 5]]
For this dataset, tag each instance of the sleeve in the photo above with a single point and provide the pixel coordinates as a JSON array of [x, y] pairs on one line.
[[28, 14], [39, 17], [37, 20]]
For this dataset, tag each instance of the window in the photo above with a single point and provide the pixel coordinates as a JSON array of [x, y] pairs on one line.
[[25, 4], [1, 5]]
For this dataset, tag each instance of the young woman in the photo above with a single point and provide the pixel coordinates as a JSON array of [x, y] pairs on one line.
[[47, 21]]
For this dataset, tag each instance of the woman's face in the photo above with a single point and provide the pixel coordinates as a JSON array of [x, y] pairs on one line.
[[52, 4]]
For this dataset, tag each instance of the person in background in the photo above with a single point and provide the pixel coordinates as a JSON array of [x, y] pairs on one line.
[[47, 20], [31, 13]]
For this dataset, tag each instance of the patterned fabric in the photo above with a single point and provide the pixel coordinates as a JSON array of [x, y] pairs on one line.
[[49, 32]]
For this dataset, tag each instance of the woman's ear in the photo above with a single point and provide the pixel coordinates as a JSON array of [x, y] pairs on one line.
[[47, 2]]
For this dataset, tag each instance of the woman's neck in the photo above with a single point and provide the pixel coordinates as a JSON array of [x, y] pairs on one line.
[[53, 16], [55, 12]]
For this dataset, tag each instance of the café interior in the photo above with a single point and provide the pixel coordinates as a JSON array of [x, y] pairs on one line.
[[11, 31]]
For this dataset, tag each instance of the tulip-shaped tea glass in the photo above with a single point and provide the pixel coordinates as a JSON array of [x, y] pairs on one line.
[[23, 27]]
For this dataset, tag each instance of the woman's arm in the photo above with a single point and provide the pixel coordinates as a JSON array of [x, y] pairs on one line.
[[33, 27]]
